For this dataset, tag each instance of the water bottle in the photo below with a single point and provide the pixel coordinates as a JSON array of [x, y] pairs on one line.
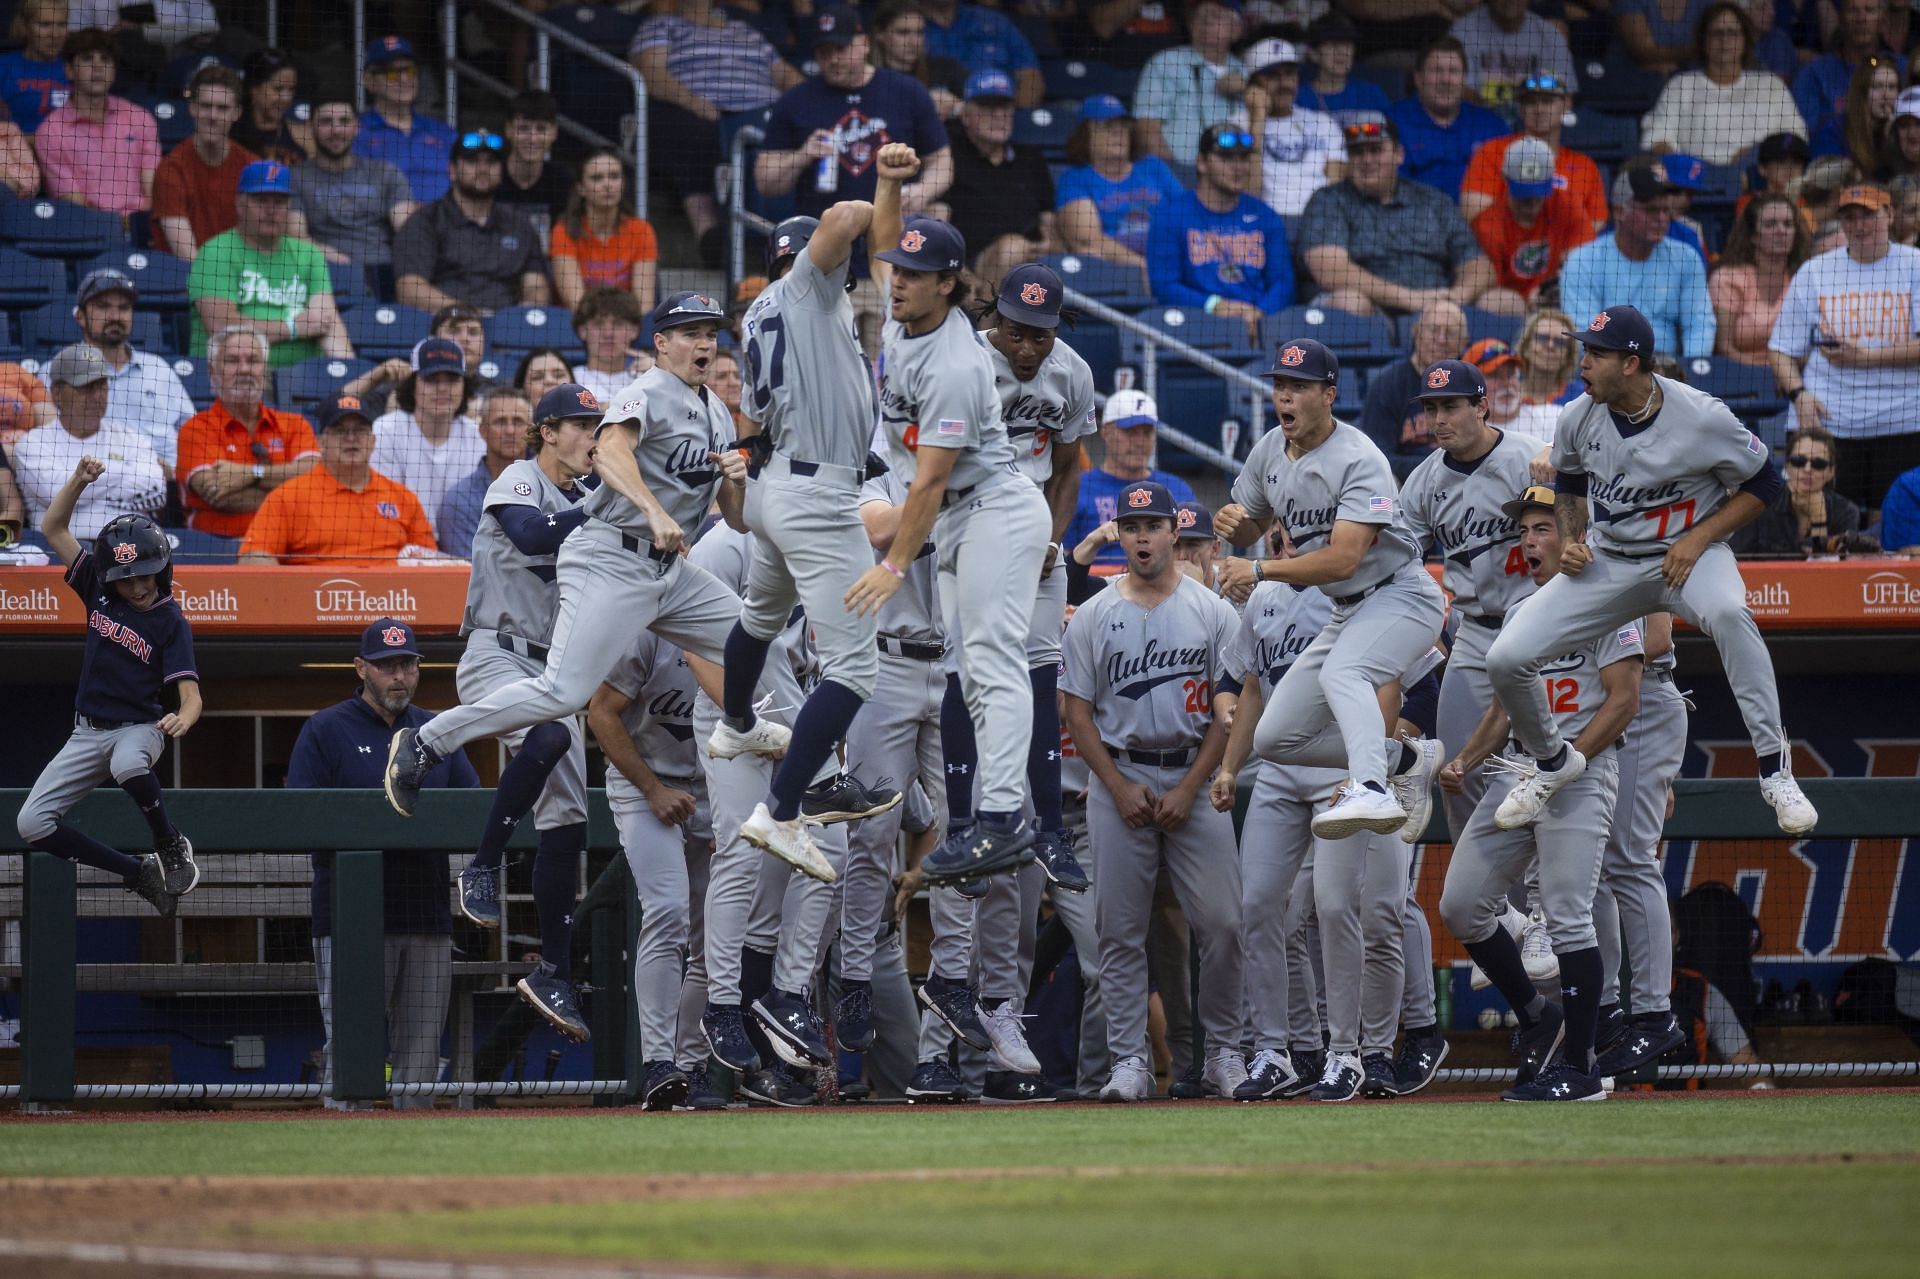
[[1443, 995], [826, 173]]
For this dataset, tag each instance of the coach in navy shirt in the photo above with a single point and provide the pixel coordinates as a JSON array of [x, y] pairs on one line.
[[344, 747]]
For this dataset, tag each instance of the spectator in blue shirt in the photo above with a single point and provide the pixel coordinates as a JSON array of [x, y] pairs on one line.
[[1820, 90], [983, 39], [344, 747], [1129, 432], [417, 145], [1217, 247], [1900, 515], [1636, 264], [1331, 42], [1438, 127], [33, 78], [1108, 198]]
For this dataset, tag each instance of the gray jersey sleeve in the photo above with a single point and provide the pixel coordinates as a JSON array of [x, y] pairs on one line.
[[1457, 509], [807, 382], [507, 589], [680, 427]]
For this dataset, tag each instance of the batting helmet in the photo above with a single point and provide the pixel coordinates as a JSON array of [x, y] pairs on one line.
[[133, 546], [787, 240]]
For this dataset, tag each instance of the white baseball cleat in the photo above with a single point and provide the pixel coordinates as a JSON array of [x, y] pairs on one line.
[[1360, 808], [764, 738], [1537, 785], [1790, 804], [1224, 1073], [1130, 1081], [1413, 789], [1009, 1051], [1477, 978], [789, 841], [1536, 952]]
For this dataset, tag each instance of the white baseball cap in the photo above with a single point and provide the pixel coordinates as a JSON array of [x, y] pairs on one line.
[[1130, 408], [1908, 103], [1271, 53]]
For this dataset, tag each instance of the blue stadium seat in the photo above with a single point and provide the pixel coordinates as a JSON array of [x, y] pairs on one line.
[[9, 348], [192, 371], [349, 285], [1074, 79], [1119, 286], [1045, 127], [160, 277], [1748, 389], [57, 229], [1484, 324], [1721, 186], [1099, 345], [1605, 139], [52, 326], [1618, 85], [191, 546], [378, 332], [1361, 339], [1195, 403], [521, 328], [1392, 80], [597, 24], [28, 281], [311, 381], [174, 120]]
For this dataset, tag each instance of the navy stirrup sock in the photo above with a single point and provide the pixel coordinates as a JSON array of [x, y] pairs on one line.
[[75, 847], [1043, 751], [144, 789], [961, 750], [746, 657], [556, 870], [819, 727], [521, 782]]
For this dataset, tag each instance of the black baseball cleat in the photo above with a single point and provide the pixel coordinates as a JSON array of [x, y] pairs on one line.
[[1649, 1037], [408, 763], [150, 882], [1004, 1088], [725, 1028], [1308, 1064], [935, 1081], [853, 1016], [553, 997], [972, 889], [1419, 1061], [1609, 1029], [701, 1094], [957, 1004], [1558, 1082], [986, 849], [1054, 851], [1189, 1087], [794, 1029], [480, 895], [845, 799], [177, 866], [779, 1086], [1536, 1046], [1377, 1077], [667, 1086]]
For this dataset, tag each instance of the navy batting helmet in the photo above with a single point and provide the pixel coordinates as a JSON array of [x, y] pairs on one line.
[[133, 546], [787, 240]]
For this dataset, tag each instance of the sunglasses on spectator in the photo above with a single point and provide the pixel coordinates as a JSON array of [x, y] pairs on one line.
[[397, 71], [1800, 461], [481, 140], [1552, 341], [1542, 84], [1230, 142], [1370, 131]]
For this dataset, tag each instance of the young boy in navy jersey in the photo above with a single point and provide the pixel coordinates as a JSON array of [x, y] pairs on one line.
[[137, 643]]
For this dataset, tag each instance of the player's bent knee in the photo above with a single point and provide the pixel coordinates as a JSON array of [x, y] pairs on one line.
[[36, 824], [548, 743], [1469, 916]]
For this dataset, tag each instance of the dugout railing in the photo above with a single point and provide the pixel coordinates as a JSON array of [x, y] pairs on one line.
[[266, 829]]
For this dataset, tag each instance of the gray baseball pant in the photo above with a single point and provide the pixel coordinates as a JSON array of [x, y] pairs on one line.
[[1465, 693], [1611, 592], [89, 757], [791, 912], [1049, 619], [1275, 842], [1359, 892], [663, 860], [1306, 993], [1631, 904], [1416, 953], [734, 786], [1075, 910], [419, 977], [485, 666], [1326, 709], [812, 548]]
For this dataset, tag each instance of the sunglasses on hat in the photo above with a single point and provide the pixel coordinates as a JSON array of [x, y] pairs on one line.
[[1368, 131], [1230, 142], [481, 140]]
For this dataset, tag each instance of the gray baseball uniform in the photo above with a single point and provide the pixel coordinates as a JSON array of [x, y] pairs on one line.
[[1645, 486], [511, 605], [1455, 506], [1149, 677], [936, 391], [1325, 711], [613, 581], [808, 384]]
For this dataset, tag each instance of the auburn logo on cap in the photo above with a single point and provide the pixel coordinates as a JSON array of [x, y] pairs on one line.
[[586, 399], [125, 553], [1439, 378], [393, 637], [1293, 357], [1140, 497], [350, 403], [1599, 322], [1034, 294], [913, 241], [1184, 519]]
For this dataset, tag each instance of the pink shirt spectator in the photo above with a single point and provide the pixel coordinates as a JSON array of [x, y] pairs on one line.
[[109, 165], [1735, 291]]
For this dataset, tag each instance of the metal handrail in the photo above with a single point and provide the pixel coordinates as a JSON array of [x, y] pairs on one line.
[[741, 217]]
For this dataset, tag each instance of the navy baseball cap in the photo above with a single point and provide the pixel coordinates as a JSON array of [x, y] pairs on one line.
[[928, 244], [1305, 360], [438, 355], [108, 279], [991, 85], [1103, 106], [1194, 522], [569, 399], [836, 24], [389, 49], [1621, 328], [687, 308], [1144, 497], [388, 637], [266, 177], [1030, 294], [1450, 378], [342, 407]]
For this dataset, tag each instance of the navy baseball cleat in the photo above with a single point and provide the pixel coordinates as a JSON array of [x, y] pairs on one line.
[[1649, 1037], [553, 997], [1419, 1061], [1536, 1045], [480, 895], [1610, 1029], [955, 1003], [150, 882], [1005, 1088], [408, 763], [986, 849], [853, 1016], [1378, 1080], [1339, 1079], [845, 799], [1308, 1065], [176, 864], [972, 889], [701, 1094], [667, 1086], [935, 1081], [1054, 851], [794, 1029], [725, 1028], [1270, 1073], [1190, 1086], [780, 1085], [1558, 1082]]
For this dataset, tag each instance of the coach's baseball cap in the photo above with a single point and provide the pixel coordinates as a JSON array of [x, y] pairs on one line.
[[1534, 496], [1864, 197], [991, 86], [1144, 497], [1130, 408], [1621, 328], [569, 399], [1305, 360], [1270, 53], [108, 279], [1193, 522], [1103, 106], [388, 637], [266, 177], [687, 308], [1030, 294], [438, 355], [1450, 378], [836, 24], [78, 365], [389, 49], [1528, 169], [928, 244], [340, 408]]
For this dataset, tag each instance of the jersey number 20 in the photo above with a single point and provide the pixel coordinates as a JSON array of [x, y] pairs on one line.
[[1199, 696]]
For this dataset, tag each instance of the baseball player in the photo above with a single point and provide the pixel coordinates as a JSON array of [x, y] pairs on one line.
[[1652, 462], [1452, 502], [643, 719], [1593, 692], [1198, 549], [1149, 684], [1332, 489], [991, 524], [528, 511], [661, 464], [138, 642], [809, 393]]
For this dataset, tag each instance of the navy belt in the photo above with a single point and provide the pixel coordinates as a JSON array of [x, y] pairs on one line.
[[1492, 621], [641, 546], [1162, 759], [514, 644], [919, 650], [952, 496], [1662, 674], [105, 725], [1348, 601], [1629, 555]]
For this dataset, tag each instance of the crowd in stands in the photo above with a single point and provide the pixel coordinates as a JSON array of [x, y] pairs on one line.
[[1420, 167]]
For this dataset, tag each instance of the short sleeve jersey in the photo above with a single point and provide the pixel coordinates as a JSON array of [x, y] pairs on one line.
[[808, 383], [1572, 681], [936, 391], [654, 676], [130, 653], [1055, 407], [913, 613], [1346, 478], [510, 590], [679, 426], [1150, 674], [1647, 488], [1456, 506]]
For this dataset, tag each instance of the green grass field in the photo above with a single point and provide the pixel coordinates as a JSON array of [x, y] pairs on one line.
[[1698, 1186]]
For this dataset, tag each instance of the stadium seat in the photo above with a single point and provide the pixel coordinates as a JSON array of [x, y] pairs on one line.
[[174, 120], [1484, 324], [1097, 343], [1362, 339], [1045, 127], [57, 229], [28, 281], [600, 25], [48, 328], [1618, 85], [1074, 79], [192, 371], [349, 285], [1605, 139], [311, 381], [1195, 403], [9, 346], [1119, 286], [378, 332], [1748, 389], [1392, 80], [191, 546], [521, 328], [160, 277]]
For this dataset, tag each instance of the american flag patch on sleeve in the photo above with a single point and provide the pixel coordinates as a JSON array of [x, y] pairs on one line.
[[1380, 505], [951, 426], [1628, 636], [1754, 446]]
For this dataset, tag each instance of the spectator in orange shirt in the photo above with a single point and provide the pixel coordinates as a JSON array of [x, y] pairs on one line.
[[599, 242], [24, 403], [195, 185], [1527, 234], [342, 512], [236, 452], [1542, 103]]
